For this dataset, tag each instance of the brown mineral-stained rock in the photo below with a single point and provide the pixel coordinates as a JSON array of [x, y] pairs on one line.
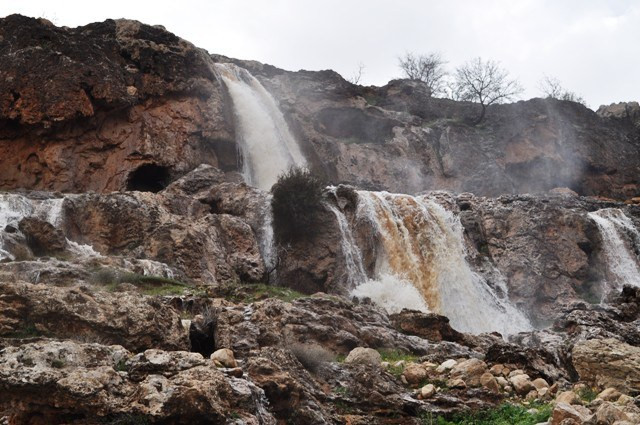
[[608, 363], [119, 95], [135, 322], [42, 237], [562, 412], [425, 325]]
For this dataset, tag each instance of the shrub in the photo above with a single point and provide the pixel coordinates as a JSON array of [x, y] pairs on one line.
[[296, 205], [312, 356]]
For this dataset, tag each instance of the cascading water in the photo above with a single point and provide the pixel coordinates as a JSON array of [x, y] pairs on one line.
[[268, 148], [14, 208], [620, 238], [422, 243]]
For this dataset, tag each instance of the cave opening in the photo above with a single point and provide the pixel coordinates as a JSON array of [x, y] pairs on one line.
[[149, 178]]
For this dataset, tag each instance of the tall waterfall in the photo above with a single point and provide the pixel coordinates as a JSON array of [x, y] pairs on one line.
[[422, 243], [268, 148], [621, 244], [14, 208]]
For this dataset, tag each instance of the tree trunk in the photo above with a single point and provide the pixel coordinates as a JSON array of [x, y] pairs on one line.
[[482, 114]]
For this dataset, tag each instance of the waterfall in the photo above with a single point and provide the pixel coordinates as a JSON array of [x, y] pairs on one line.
[[14, 208], [267, 146], [422, 243], [619, 237]]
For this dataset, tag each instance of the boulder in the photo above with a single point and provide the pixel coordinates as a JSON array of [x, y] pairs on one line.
[[415, 373], [563, 411], [42, 237], [609, 394], [568, 397], [488, 381], [224, 358], [607, 413], [540, 383], [470, 371], [608, 363], [362, 355], [427, 391], [521, 384]]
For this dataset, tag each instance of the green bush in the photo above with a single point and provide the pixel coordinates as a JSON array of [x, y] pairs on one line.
[[505, 414], [296, 205]]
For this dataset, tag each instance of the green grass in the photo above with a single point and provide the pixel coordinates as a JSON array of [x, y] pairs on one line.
[[148, 284], [343, 391], [505, 414], [57, 363], [392, 356], [587, 394]]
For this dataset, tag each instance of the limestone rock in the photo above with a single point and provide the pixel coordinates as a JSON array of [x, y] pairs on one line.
[[608, 363], [563, 411], [224, 358], [488, 381], [609, 394], [42, 237], [362, 355], [540, 383], [427, 391], [470, 371], [521, 384], [568, 397], [415, 373], [607, 413], [446, 365], [83, 314]]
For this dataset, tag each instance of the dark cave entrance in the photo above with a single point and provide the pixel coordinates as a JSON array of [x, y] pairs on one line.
[[149, 178]]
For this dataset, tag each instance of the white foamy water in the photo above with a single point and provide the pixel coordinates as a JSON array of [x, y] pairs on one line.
[[268, 148], [351, 253], [14, 207], [391, 293], [82, 250], [422, 243], [619, 236]]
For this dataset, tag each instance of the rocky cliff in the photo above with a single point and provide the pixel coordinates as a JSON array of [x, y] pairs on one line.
[[140, 281]]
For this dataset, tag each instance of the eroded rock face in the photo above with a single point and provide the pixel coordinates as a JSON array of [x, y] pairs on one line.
[[120, 94], [608, 363], [88, 383], [135, 322]]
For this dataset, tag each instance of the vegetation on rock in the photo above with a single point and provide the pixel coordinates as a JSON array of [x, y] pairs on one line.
[[296, 204]]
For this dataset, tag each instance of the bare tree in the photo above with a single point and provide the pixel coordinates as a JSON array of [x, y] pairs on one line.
[[551, 87], [426, 68], [484, 82], [357, 76]]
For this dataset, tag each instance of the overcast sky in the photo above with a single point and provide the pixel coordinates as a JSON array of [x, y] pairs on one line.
[[592, 47]]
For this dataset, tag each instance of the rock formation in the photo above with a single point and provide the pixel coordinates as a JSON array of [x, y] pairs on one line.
[[140, 281]]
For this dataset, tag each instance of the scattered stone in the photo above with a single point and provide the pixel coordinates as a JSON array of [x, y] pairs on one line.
[[531, 395], [607, 413], [609, 394], [488, 381], [415, 373], [568, 397], [502, 381], [497, 369], [521, 384], [224, 358], [469, 371], [456, 383], [362, 355], [540, 383], [427, 391], [446, 365], [563, 411]]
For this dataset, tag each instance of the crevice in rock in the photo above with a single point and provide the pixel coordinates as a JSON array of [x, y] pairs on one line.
[[149, 178]]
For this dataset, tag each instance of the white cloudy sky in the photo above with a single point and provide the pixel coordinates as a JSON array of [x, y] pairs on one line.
[[593, 47]]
